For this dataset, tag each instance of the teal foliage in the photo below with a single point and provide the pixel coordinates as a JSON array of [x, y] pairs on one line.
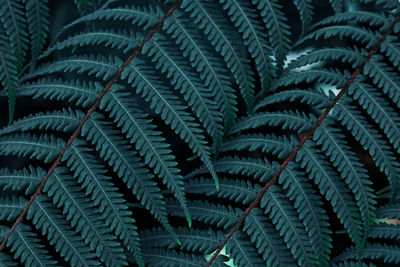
[[196, 125], [23, 33]]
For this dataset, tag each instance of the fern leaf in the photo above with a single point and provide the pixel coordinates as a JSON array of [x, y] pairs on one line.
[[391, 48], [362, 35], [296, 121], [8, 73], [128, 167], [26, 180], [309, 97], [203, 211], [6, 260], [11, 207], [254, 36], [120, 39], [240, 249], [24, 244], [13, 20], [384, 78], [309, 207], [385, 231], [52, 224], [205, 61], [222, 37], [81, 215], [37, 13], [235, 190], [350, 169], [370, 140], [148, 142], [79, 92], [194, 92], [193, 240], [338, 6], [163, 257], [267, 240], [359, 16], [180, 121], [379, 109], [103, 194], [288, 225], [44, 147], [391, 210], [305, 8], [333, 189], [144, 17], [275, 22], [277, 145], [388, 253], [352, 56], [65, 120]]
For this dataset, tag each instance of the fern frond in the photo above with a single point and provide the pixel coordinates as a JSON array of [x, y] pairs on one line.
[[25, 245], [80, 212], [193, 240], [37, 13], [350, 169], [384, 78], [275, 22], [11, 207], [79, 92], [289, 226], [235, 190], [333, 188], [309, 97], [391, 48], [128, 167], [6, 260], [45, 147], [373, 102], [365, 36], [297, 121], [306, 11], [51, 223], [103, 194], [267, 240], [13, 20], [8, 73], [338, 5], [371, 141], [215, 214], [387, 253], [254, 36], [163, 257], [148, 142], [240, 249], [373, 19], [144, 17], [391, 210], [25, 180], [119, 39], [222, 37], [65, 120], [179, 120], [385, 231], [197, 96], [345, 55], [205, 61]]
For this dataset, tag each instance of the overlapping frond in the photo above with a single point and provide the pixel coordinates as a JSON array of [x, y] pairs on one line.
[[163, 168]]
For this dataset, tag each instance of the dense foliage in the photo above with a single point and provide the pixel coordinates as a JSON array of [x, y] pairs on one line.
[[196, 125]]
